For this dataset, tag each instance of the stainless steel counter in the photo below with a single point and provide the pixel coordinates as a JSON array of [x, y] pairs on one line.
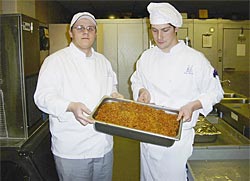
[[237, 115], [231, 144], [229, 137], [219, 170], [227, 158]]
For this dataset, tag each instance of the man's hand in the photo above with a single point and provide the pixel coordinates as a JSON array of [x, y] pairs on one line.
[[187, 110], [80, 110], [144, 96], [116, 95]]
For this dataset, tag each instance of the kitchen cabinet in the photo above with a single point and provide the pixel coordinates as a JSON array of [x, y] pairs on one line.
[[186, 32], [122, 41], [226, 45], [205, 39], [58, 37], [235, 55]]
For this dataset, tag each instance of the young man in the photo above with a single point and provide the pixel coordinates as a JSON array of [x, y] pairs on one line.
[[174, 75], [71, 83]]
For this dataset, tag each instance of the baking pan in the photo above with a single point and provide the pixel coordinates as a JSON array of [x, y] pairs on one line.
[[205, 138], [132, 133], [205, 132]]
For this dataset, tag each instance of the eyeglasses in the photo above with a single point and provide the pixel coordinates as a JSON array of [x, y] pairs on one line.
[[81, 28]]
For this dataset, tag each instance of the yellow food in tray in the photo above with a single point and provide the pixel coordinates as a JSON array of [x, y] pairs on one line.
[[140, 117]]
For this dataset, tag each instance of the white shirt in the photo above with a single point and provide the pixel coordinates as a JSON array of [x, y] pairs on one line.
[[69, 76], [177, 78]]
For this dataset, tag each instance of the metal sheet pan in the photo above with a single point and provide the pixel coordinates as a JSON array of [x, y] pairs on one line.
[[205, 138], [205, 132], [131, 133]]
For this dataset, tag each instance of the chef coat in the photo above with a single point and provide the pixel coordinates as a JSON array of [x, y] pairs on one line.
[[177, 78], [69, 76], [174, 79]]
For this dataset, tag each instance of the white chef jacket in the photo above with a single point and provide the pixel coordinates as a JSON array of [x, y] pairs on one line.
[[69, 76], [174, 79]]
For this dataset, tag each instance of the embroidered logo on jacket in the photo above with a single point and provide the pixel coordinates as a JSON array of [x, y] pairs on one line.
[[215, 73], [189, 70]]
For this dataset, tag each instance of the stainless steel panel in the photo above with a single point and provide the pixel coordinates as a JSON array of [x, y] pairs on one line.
[[12, 80], [3, 125], [235, 100], [140, 135], [20, 62], [229, 137], [219, 169], [237, 115], [30, 45]]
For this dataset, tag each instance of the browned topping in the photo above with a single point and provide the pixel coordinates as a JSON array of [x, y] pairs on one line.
[[139, 117]]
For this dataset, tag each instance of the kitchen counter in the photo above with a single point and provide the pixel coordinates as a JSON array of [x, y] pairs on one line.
[[237, 115], [234, 108], [227, 158], [229, 137], [242, 110], [230, 144], [224, 170]]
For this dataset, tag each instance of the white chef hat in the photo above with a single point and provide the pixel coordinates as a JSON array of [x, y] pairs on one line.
[[163, 13], [81, 15]]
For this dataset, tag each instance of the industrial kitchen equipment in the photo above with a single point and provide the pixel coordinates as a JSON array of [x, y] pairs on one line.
[[24, 133]]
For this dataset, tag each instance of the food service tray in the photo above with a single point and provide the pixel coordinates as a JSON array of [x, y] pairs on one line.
[[132, 133], [205, 132]]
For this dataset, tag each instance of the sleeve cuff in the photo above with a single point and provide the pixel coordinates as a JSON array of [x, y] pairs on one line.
[[63, 115], [207, 106]]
